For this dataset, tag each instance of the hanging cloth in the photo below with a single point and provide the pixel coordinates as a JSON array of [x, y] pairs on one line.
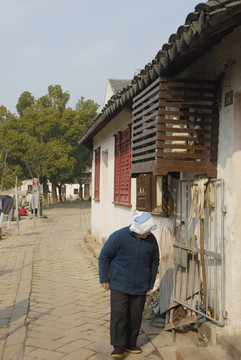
[[7, 204], [7, 209], [210, 195], [198, 197]]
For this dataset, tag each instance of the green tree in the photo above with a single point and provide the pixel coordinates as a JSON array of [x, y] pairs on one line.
[[58, 98], [42, 141], [9, 169], [24, 101]]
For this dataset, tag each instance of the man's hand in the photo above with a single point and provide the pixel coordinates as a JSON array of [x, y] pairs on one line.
[[105, 286]]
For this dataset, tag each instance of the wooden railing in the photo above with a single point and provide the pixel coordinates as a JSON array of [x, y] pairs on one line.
[[175, 127]]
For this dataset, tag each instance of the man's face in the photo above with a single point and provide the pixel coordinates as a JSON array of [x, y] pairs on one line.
[[143, 236]]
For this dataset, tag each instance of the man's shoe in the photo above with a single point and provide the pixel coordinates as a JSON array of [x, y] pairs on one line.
[[118, 352], [134, 349]]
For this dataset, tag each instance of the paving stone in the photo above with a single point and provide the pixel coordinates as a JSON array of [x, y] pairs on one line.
[[100, 357], [101, 347], [29, 349], [74, 345], [51, 300], [200, 354], [13, 352], [82, 354], [17, 336], [42, 354], [42, 343]]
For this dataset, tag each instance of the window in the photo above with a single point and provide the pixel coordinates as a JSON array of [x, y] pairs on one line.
[[122, 179], [76, 191], [97, 175], [30, 188], [155, 194]]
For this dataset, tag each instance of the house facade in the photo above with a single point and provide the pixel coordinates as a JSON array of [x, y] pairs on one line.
[[182, 114], [113, 86]]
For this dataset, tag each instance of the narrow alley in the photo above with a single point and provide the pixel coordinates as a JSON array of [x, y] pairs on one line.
[[51, 303]]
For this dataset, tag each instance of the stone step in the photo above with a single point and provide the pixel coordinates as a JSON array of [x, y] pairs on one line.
[[201, 353], [231, 345], [218, 352]]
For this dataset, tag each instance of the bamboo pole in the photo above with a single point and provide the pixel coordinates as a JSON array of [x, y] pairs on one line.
[[203, 262], [17, 210]]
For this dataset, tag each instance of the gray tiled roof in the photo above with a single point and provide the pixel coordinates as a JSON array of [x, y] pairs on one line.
[[203, 28], [118, 84]]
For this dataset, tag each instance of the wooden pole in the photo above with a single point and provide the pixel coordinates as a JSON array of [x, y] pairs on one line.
[[203, 262], [16, 198]]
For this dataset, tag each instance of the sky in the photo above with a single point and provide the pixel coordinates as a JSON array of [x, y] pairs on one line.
[[79, 44]]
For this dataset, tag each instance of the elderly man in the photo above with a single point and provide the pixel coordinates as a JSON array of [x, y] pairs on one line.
[[128, 264]]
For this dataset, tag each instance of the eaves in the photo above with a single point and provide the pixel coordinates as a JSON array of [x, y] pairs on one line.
[[203, 28]]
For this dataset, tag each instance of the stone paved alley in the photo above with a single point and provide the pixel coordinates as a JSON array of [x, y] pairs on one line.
[[51, 304]]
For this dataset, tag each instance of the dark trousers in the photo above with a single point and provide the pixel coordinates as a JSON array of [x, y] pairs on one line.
[[126, 316]]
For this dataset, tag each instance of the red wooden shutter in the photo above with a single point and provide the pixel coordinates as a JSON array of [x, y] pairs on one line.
[[97, 175], [117, 167], [125, 180], [122, 179]]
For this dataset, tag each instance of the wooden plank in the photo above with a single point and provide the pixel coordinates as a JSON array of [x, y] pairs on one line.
[[143, 142], [143, 129], [154, 99], [194, 81], [181, 155], [143, 135], [184, 322], [179, 97], [188, 114], [148, 156], [187, 89], [173, 104], [144, 167], [146, 97], [186, 138], [211, 123], [165, 166], [151, 119], [147, 118], [146, 111], [176, 130], [188, 147], [143, 149], [147, 90], [212, 107]]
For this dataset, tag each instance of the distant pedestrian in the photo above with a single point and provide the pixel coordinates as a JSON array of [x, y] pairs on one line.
[[22, 211], [128, 264]]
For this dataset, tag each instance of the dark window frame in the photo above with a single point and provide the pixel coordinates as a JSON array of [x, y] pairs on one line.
[[97, 175], [146, 194], [122, 166]]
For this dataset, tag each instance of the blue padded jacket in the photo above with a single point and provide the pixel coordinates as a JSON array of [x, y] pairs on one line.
[[129, 264]]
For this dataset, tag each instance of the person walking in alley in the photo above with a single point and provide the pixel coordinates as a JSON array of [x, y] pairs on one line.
[[128, 264]]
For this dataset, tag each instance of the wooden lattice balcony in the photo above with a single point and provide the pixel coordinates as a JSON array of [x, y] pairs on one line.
[[175, 127]]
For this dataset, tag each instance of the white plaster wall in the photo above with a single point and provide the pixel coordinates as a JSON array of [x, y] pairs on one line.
[[118, 216], [70, 191], [235, 248], [108, 92], [24, 185], [23, 188], [224, 63]]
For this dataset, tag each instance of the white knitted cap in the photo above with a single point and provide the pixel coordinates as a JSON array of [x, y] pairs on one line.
[[142, 222]]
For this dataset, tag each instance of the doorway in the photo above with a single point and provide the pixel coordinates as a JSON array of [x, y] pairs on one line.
[[105, 196]]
